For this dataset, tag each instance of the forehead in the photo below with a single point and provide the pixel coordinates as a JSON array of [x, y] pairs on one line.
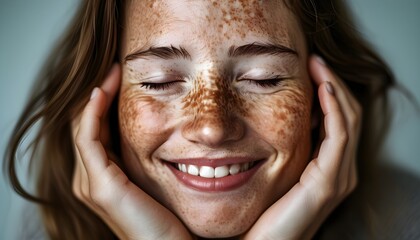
[[207, 23]]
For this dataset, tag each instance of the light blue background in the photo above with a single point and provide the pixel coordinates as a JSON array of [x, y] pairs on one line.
[[28, 29]]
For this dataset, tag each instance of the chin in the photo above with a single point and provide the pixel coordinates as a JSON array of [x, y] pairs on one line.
[[220, 219], [222, 214]]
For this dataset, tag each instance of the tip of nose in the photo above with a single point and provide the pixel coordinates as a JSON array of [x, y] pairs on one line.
[[207, 131], [211, 136]]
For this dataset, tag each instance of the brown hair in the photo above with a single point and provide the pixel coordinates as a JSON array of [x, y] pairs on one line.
[[84, 56], [331, 33]]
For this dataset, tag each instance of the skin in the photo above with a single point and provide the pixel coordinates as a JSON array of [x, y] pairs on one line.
[[212, 112], [280, 201]]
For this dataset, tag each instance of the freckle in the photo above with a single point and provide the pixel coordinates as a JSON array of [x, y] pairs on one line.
[[281, 116], [281, 132]]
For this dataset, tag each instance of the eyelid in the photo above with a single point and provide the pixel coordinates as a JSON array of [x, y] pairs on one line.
[[164, 78], [274, 77], [157, 86], [164, 83], [265, 85], [259, 73]]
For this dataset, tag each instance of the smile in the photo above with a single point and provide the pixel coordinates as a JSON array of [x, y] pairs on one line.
[[218, 172], [219, 175]]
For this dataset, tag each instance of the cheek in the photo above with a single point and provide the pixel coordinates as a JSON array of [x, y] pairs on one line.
[[142, 121], [283, 120]]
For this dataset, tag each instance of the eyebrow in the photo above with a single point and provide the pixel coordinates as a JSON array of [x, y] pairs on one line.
[[252, 49], [257, 48], [170, 52]]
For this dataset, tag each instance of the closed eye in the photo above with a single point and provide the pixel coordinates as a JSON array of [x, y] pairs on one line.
[[158, 86], [266, 83]]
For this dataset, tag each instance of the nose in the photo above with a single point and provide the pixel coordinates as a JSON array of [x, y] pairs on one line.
[[215, 121], [213, 131]]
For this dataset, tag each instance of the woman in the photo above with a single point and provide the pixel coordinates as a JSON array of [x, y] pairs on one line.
[[218, 120]]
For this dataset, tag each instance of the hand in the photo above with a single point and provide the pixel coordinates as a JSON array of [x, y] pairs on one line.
[[100, 184], [330, 177]]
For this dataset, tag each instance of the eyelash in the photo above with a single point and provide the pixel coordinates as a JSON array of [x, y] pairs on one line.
[[266, 83], [157, 86]]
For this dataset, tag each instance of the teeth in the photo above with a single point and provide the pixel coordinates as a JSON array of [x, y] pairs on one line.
[[244, 167], [221, 171], [207, 172], [193, 170], [234, 169], [218, 172]]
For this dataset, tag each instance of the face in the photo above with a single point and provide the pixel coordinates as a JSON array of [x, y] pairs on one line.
[[214, 108]]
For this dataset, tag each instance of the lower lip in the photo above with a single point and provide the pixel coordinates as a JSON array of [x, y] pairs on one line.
[[223, 184]]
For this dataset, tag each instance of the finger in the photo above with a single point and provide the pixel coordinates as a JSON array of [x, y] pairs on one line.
[[343, 175], [92, 152], [349, 106], [321, 73], [111, 84], [110, 87], [333, 147], [79, 186]]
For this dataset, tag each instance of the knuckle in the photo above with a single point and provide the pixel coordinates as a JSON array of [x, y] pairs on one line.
[[75, 187], [76, 191], [350, 186], [329, 193], [328, 196], [79, 141], [343, 137], [85, 194], [80, 190], [334, 192], [100, 198], [353, 119], [81, 194]]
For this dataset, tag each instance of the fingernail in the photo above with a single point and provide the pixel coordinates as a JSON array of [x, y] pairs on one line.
[[320, 60], [329, 87], [94, 93]]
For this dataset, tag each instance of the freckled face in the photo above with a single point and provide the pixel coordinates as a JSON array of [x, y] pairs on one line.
[[219, 85]]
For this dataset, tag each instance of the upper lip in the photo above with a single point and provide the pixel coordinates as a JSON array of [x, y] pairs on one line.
[[214, 162]]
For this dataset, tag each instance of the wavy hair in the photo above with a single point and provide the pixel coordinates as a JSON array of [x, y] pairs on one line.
[[86, 52]]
